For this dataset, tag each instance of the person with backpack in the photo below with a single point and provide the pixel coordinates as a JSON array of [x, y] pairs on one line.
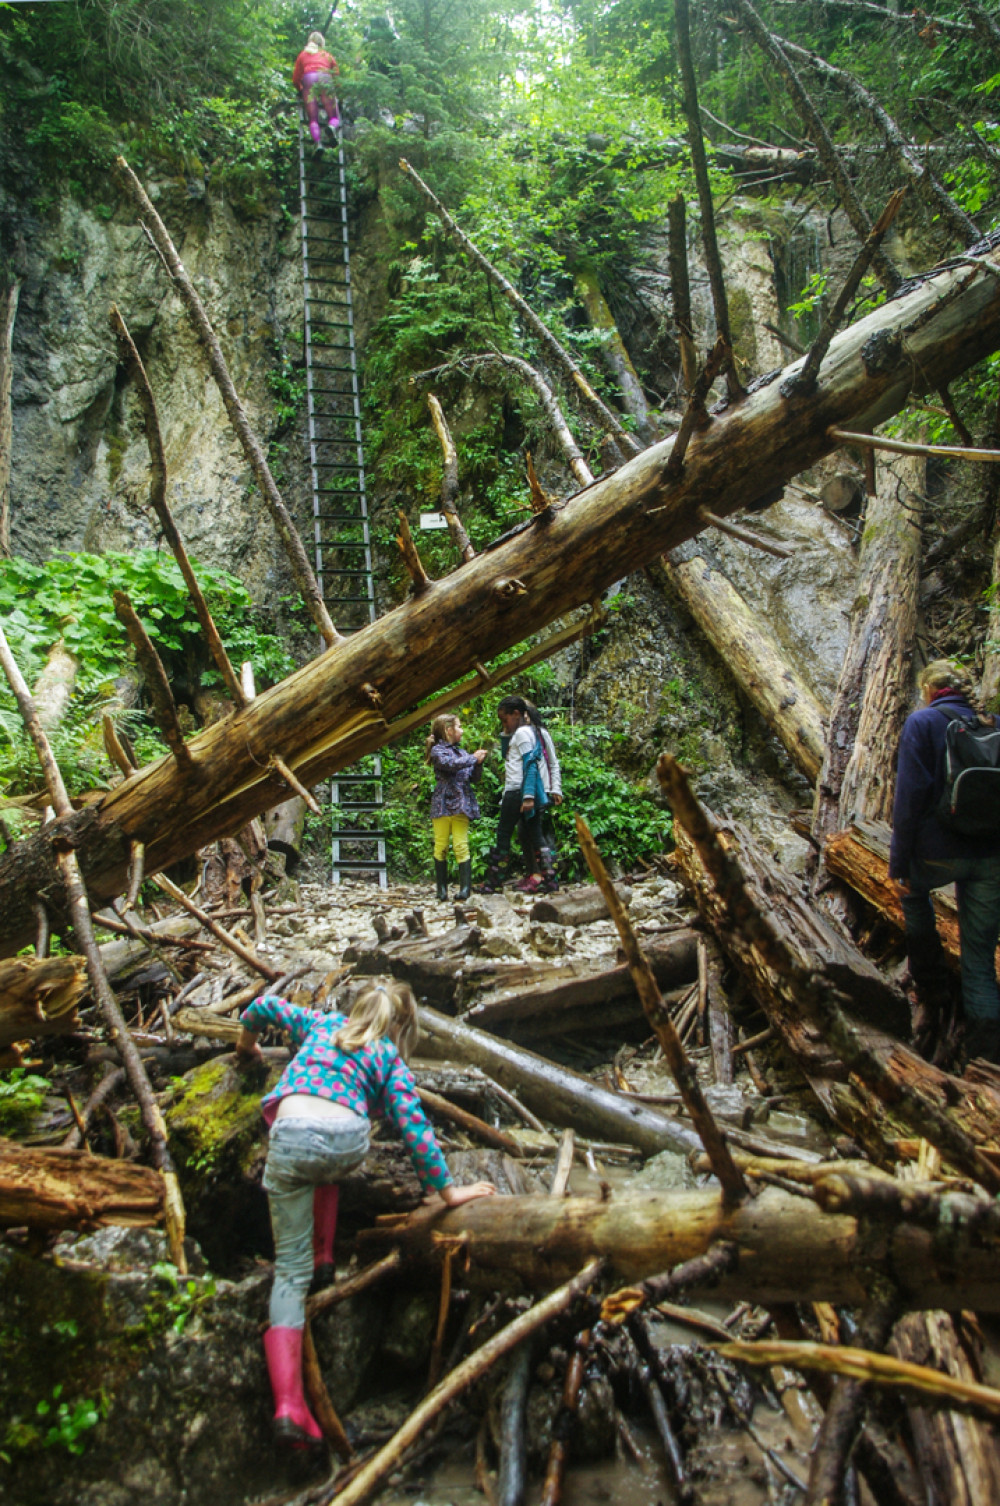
[[532, 781], [946, 829], [313, 76]]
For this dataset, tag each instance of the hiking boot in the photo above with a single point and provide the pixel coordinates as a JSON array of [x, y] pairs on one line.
[[547, 868], [441, 878], [930, 992], [497, 866]]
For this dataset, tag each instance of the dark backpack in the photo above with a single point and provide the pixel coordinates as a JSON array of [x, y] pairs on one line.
[[970, 800]]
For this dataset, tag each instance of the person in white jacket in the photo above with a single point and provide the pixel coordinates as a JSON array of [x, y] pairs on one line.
[[532, 781]]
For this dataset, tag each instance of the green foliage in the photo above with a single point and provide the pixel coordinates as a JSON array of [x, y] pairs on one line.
[[812, 294], [199, 82], [183, 1297], [22, 1094], [69, 598], [69, 1421], [56, 1423], [625, 822]]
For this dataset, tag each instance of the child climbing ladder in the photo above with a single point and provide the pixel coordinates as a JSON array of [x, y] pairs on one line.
[[313, 76]]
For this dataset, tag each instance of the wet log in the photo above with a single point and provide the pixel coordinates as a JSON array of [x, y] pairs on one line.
[[857, 778], [957, 1456], [788, 1250], [545, 1008], [557, 1094], [361, 694], [860, 856], [71, 1189], [576, 907], [431, 967], [873, 1001], [754, 659], [39, 995]]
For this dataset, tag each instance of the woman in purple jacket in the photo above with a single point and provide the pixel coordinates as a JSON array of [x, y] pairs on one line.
[[453, 804], [925, 855]]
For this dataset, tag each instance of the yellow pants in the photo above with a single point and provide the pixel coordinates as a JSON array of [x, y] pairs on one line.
[[457, 827]]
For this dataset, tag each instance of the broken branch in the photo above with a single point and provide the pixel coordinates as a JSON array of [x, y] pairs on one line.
[[731, 1178]]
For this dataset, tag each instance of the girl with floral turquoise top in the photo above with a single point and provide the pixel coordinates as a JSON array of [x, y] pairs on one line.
[[344, 1070]]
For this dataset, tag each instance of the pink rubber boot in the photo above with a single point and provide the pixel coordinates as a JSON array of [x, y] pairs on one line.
[[293, 1422], [326, 1200]]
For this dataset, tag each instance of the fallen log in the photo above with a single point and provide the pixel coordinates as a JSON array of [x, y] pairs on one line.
[[71, 1189], [39, 995], [431, 967], [788, 1250], [753, 657], [576, 907], [957, 1457], [817, 947], [119, 957], [860, 856], [869, 707], [545, 1008], [357, 696], [557, 1094]]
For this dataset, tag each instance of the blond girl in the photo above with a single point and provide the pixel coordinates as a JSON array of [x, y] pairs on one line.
[[344, 1070]]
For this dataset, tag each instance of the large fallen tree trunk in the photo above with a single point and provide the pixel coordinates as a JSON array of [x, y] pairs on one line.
[[867, 715], [545, 1007], [753, 657], [353, 699], [788, 1250], [71, 1189], [557, 1094]]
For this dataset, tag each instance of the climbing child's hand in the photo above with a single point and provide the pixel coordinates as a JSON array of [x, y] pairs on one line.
[[455, 1196]]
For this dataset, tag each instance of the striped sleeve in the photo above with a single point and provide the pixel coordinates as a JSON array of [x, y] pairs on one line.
[[402, 1106], [270, 1010]]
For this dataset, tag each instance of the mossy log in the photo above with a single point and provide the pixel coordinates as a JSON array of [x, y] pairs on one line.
[[788, 1249], [38, 996], [71, 1189], [355, 697]]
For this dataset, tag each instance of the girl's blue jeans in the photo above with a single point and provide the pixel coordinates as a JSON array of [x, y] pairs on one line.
[[977, 888], [303, 1153]]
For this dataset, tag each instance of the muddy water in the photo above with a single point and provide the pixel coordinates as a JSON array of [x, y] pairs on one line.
[[726, 1469]]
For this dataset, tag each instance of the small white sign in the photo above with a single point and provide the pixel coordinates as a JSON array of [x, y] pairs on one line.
[[433, 520]]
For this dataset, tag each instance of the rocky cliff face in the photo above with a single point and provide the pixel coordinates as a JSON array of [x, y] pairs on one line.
[[80, 463]]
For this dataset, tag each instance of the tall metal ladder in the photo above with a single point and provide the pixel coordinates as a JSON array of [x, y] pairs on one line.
[[341, 534]]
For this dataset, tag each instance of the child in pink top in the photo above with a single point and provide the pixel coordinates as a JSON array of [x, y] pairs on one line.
[[344, 1071], [313, 76]]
